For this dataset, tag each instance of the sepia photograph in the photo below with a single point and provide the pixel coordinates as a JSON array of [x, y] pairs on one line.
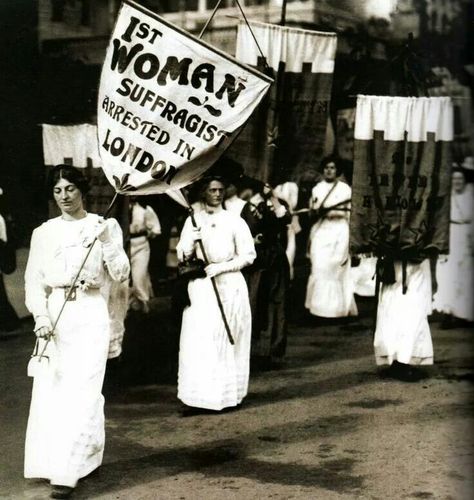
[[237, 249]]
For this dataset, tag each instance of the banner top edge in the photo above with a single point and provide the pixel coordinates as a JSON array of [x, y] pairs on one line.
[[330, 34], [185, 33], [398, 97]]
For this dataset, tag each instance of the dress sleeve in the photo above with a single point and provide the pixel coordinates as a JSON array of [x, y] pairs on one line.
[[152, 222], [186, 246], [244, 246], [115, 257], [244, 249], [36, 290], [348, 196]]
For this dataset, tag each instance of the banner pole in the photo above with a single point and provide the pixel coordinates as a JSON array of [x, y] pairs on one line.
[[213, 280]]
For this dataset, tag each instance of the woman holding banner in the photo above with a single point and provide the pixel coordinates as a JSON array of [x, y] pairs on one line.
[[65, 435], [213, 374], [330, 290]]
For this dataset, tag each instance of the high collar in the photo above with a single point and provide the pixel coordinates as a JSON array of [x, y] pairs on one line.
[[213, 210]]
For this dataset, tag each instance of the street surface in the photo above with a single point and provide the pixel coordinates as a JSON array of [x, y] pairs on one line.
[[327, 425]]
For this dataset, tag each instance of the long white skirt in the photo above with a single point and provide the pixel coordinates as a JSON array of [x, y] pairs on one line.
[[455, 276], [65, 435], [139, 260], [214, 374], [403, 333], [330, 289]]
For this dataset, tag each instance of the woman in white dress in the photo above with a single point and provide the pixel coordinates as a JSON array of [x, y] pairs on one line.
[[65, 434], [330, 291], [455, 273], [144, 224], [213, 374]]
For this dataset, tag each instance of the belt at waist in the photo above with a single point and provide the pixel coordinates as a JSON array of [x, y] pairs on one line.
[[67, 287], [140, 233], [76, 292]]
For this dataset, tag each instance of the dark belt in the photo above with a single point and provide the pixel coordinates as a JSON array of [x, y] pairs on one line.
[[73, 295], [137, 235]]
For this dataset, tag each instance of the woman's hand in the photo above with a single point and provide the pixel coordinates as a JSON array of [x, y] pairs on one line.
[[196, 234], [43, 332], [102, 231], [213, 270]]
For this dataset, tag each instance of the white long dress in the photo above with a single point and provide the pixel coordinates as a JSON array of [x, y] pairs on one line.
[[330, 289], [214, 374], [142, 220], [65, 434], [455, 274], [403, 333]]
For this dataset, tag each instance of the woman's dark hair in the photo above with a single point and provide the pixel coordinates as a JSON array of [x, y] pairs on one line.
[[206, 180], [331, 159], [461, 170], [246, 182], [71, 174]]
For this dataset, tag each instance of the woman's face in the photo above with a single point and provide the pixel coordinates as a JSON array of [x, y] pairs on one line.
[[458, 182], [67, 196], [330, 172], [214, 194]]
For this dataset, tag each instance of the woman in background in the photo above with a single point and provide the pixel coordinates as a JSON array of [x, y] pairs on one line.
[[330, 290], [144, 224], [65, 434]]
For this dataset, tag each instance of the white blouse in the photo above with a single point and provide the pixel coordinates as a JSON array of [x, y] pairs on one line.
[[341, 193], [144, 219], [57, 250], [226, 238]]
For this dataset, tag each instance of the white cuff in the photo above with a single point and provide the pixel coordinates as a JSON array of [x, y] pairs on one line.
[[280, 212], [41, 321]]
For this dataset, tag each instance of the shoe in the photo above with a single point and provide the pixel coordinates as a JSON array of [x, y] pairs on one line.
[[192, 411], [60, 491], [406, 373]]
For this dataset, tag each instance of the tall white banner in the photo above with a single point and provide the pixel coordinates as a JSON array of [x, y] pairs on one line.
[[169, 104]]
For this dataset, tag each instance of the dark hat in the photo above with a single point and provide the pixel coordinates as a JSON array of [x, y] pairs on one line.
[[246, 182], [227, 168]]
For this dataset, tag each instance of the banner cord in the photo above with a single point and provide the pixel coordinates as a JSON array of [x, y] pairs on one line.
[[208, 22], [211, 17], [252, 33]]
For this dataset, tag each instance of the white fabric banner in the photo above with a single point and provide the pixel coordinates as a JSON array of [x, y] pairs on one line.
[[292, 46], [417, 116], [169, 104], [74, 144]]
